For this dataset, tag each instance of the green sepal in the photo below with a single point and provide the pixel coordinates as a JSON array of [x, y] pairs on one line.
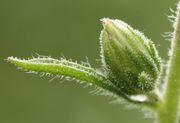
[[131, 60]]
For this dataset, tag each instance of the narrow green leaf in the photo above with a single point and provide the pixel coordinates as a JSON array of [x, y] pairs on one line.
[[74, 70], [60, 67]]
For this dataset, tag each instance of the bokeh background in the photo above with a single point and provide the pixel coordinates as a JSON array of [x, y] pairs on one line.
[[70, 28]]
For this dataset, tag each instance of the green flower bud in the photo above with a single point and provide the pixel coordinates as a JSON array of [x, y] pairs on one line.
[[131, 60]]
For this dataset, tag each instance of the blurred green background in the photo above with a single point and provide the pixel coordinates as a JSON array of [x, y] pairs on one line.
[[71, 28]]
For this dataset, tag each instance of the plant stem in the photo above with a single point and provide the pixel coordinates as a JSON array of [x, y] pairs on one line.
[[168, 108]]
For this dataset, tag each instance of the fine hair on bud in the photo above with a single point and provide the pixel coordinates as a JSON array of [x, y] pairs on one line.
[[130, 59]]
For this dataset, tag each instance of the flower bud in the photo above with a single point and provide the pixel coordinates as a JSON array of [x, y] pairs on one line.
[[131, 60]]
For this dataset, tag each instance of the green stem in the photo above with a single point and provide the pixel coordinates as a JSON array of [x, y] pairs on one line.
[[168, 108]]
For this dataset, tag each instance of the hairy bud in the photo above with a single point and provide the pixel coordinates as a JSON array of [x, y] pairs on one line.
[[131, 60]]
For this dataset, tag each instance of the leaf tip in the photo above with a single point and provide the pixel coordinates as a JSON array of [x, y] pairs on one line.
[[9, 59]]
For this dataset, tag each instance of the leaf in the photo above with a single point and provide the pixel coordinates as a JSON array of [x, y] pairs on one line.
[[60, 67], [74, 70]]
